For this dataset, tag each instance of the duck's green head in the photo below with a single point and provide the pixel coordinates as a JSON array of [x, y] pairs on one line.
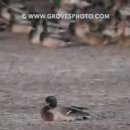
[[52, 101]]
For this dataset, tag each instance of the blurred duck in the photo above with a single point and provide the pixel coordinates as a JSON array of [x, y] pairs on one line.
[[39, 26], [18, 9], [97, 7], [53, 112], [110, 27], [125, 10], [111, 4], [53, 41], [49, 40], [64, 23], [122, 39], [118, 4], [18, 27], [82, 31], [109, 31], [121, 24], [93, 39], [79, 3]]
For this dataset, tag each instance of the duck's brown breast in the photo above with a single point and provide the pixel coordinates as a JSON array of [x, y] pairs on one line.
[[46, 115]]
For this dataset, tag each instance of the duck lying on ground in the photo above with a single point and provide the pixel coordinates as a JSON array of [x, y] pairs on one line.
[[55, 39], [18, 27], [53, 112], [51, 41], [82, 32]]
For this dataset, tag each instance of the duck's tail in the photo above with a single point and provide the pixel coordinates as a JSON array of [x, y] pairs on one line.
[[82, 118]]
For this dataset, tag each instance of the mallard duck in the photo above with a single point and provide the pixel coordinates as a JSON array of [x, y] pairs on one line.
[[65, 22], [122, 39], [119, 3], [93, 39], [51, 42], [125, 10], [18, 27], [40, 35], [79, 3], [53, 27], [54, 40], [109, 31], [82, 32], [53, 112], [110, 27], [39, 26], [97, 7], [18, 9], [81, 28]]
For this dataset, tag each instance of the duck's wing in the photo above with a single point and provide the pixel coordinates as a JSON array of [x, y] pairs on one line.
[[73, 110], [75, 113], [81, 108]]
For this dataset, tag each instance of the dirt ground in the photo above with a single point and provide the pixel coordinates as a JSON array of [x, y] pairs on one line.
[[97, 78]]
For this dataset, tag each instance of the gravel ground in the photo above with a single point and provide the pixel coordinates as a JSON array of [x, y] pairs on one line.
[[97, 78]]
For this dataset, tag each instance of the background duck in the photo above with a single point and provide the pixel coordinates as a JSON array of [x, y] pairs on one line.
[[79, 3], [39, 26], [54, 41], [53, 112], [110, 26], [18, 9], [45, 35], [18, 27], [71, 7], [96, 7], [123, 40], [109, 31], [119, 3], [93, 39], [53, 27], [82, 32]]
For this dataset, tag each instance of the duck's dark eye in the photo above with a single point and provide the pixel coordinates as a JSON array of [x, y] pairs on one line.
[[85, 118]]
